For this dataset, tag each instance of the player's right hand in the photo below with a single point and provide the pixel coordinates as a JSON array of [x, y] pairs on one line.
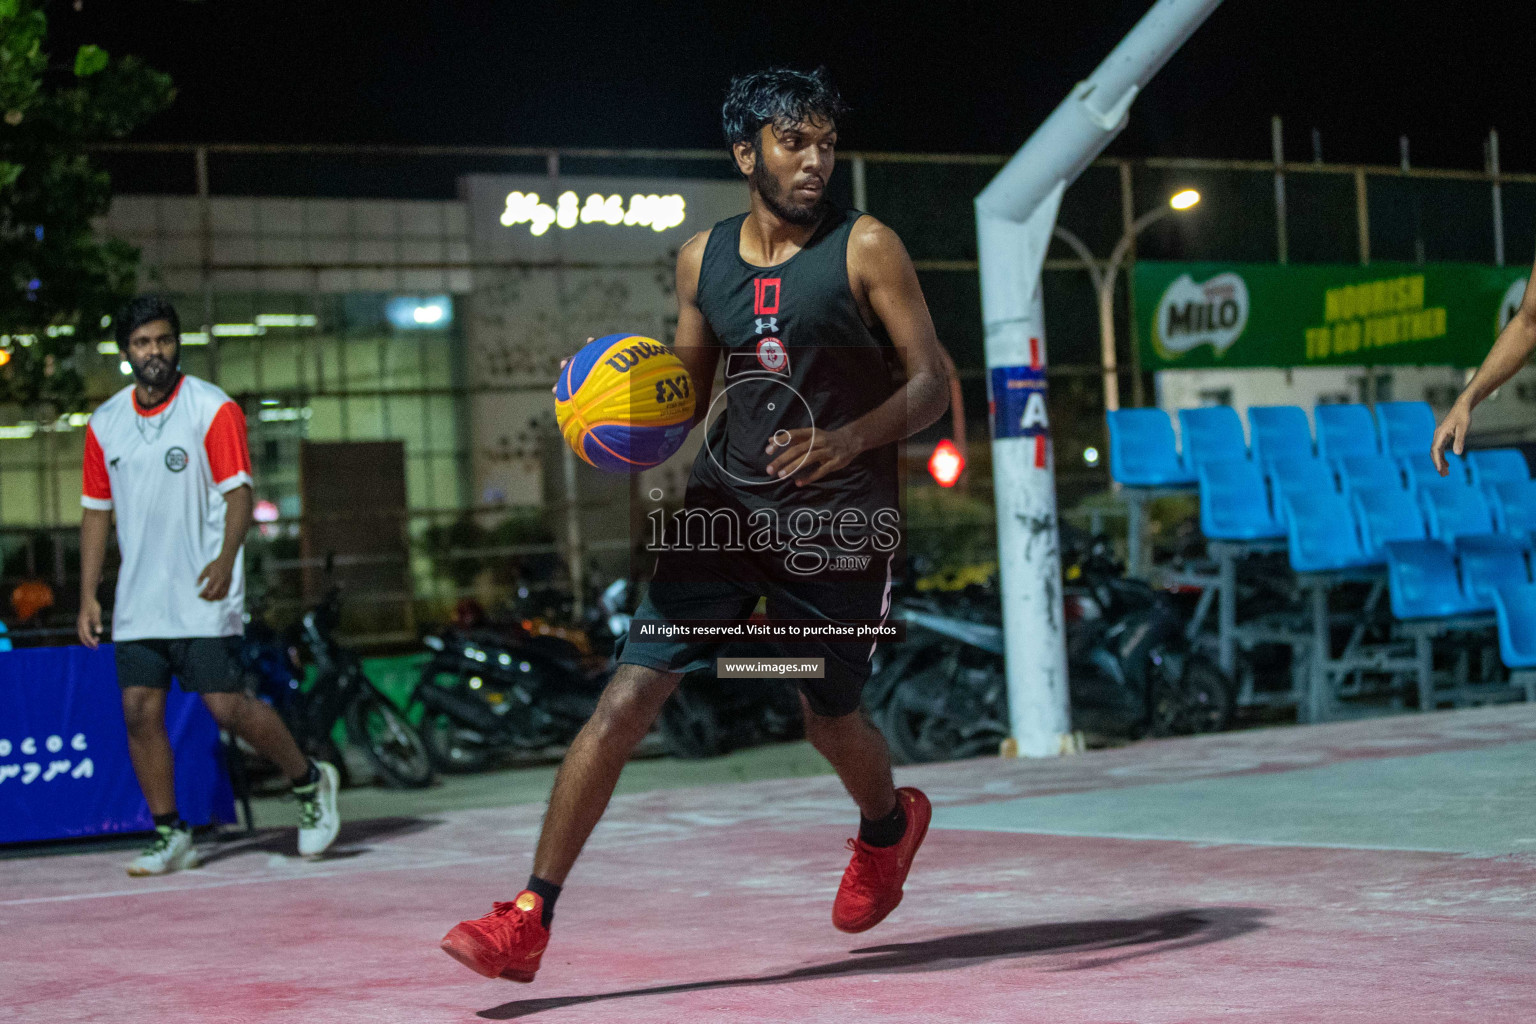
[[556, 386], [1451, 432], [88, 624]]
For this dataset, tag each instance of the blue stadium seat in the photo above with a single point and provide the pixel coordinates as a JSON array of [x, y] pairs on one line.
[[1489, 561], [1234, 504], [1422, 581], [1456, 512], [1420, 469], [1369, 472], [1323, 533], [1345, 430], [1279, 431], [1406, 427], [1386, 515], [1516, 608], [1291, 475], [1514, 506], [1210, 434], [1142, 450], [1497, 466]]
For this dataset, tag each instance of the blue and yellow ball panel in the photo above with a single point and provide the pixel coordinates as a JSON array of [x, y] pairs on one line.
[[624, 403]]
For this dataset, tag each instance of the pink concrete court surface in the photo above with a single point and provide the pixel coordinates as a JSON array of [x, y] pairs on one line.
[[1370, 871]]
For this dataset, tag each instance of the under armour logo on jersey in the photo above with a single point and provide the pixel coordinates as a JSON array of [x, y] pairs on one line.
[[767, 325]]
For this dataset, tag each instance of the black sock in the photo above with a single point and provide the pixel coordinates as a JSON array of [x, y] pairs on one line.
[[171, 820], [310, 778], [546, 891], [885, 832]]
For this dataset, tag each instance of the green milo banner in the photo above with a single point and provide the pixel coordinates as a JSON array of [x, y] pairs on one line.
[[1199, 316]]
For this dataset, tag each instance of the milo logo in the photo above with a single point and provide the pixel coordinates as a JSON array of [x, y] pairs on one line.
[[1511, 303], [626, 358], [1211, 313]]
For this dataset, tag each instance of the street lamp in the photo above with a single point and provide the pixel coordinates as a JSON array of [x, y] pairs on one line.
[[1104, 281]]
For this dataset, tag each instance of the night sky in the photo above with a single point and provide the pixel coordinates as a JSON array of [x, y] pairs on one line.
[[928, 77]]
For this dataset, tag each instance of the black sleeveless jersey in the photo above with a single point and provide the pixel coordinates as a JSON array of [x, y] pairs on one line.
[[797, 353]]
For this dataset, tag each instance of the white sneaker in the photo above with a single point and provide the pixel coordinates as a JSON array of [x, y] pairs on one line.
[[172, 850], [319, 821]]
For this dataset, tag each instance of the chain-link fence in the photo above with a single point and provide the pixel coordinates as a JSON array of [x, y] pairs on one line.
[[284, 261]]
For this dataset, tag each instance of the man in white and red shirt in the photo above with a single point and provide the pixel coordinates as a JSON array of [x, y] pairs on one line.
[[167, 457]]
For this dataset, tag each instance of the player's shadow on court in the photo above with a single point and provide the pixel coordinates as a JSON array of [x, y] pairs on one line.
[[1106, 942], [351, 841]]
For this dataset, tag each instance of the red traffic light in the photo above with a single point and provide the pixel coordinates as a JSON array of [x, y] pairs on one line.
[[946, 463]]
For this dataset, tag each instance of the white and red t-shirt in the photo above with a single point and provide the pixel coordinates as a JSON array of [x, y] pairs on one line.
[[164, 473]]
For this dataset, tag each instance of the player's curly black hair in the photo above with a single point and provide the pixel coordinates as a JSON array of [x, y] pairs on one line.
[[140, 311], [781, 97]]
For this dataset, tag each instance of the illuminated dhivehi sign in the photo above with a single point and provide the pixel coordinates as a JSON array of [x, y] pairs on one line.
[[659, 213], [608, 218]]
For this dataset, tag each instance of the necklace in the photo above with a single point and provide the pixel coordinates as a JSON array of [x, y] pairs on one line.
[[151, 427]]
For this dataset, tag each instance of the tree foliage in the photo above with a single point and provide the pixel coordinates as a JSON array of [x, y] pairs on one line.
[[58, 280]]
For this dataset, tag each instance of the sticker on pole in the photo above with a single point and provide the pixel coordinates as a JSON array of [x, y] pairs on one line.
[[1017, 401]]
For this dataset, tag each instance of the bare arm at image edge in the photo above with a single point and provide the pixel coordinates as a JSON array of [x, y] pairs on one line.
[[1510, 352]]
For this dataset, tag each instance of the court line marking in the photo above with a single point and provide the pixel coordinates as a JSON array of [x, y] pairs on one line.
[[650, 833], [304, 876], [1207, 841], [297, 877]]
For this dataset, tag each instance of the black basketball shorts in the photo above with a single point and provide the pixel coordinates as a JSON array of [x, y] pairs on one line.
[[202, 664]]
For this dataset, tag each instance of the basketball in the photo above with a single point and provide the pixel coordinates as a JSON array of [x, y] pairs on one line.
[[624, 403]]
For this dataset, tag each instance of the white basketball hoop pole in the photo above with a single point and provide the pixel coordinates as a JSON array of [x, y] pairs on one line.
[[1014, 218]]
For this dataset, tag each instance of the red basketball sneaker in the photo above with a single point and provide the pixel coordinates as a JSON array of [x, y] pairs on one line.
[[872, 884], [506, 943]]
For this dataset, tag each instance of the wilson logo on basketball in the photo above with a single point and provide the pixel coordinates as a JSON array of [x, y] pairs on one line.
[[624, 359], [772, 354]]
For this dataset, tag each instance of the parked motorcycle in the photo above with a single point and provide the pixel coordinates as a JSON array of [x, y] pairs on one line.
[[274, 666], [1133, 673], [494, 687], [942, 694]]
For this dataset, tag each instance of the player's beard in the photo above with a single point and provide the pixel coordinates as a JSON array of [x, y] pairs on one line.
[[155, 373], [780, 201]]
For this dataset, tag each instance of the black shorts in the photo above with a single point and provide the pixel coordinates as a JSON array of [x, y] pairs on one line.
[[726, 586], [202, 664]]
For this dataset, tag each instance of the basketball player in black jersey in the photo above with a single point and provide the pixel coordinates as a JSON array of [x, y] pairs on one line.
[[810, 308]]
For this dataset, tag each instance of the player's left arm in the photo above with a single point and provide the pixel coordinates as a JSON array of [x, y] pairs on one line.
[[881, 274], [217, 574], [229, 460]]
